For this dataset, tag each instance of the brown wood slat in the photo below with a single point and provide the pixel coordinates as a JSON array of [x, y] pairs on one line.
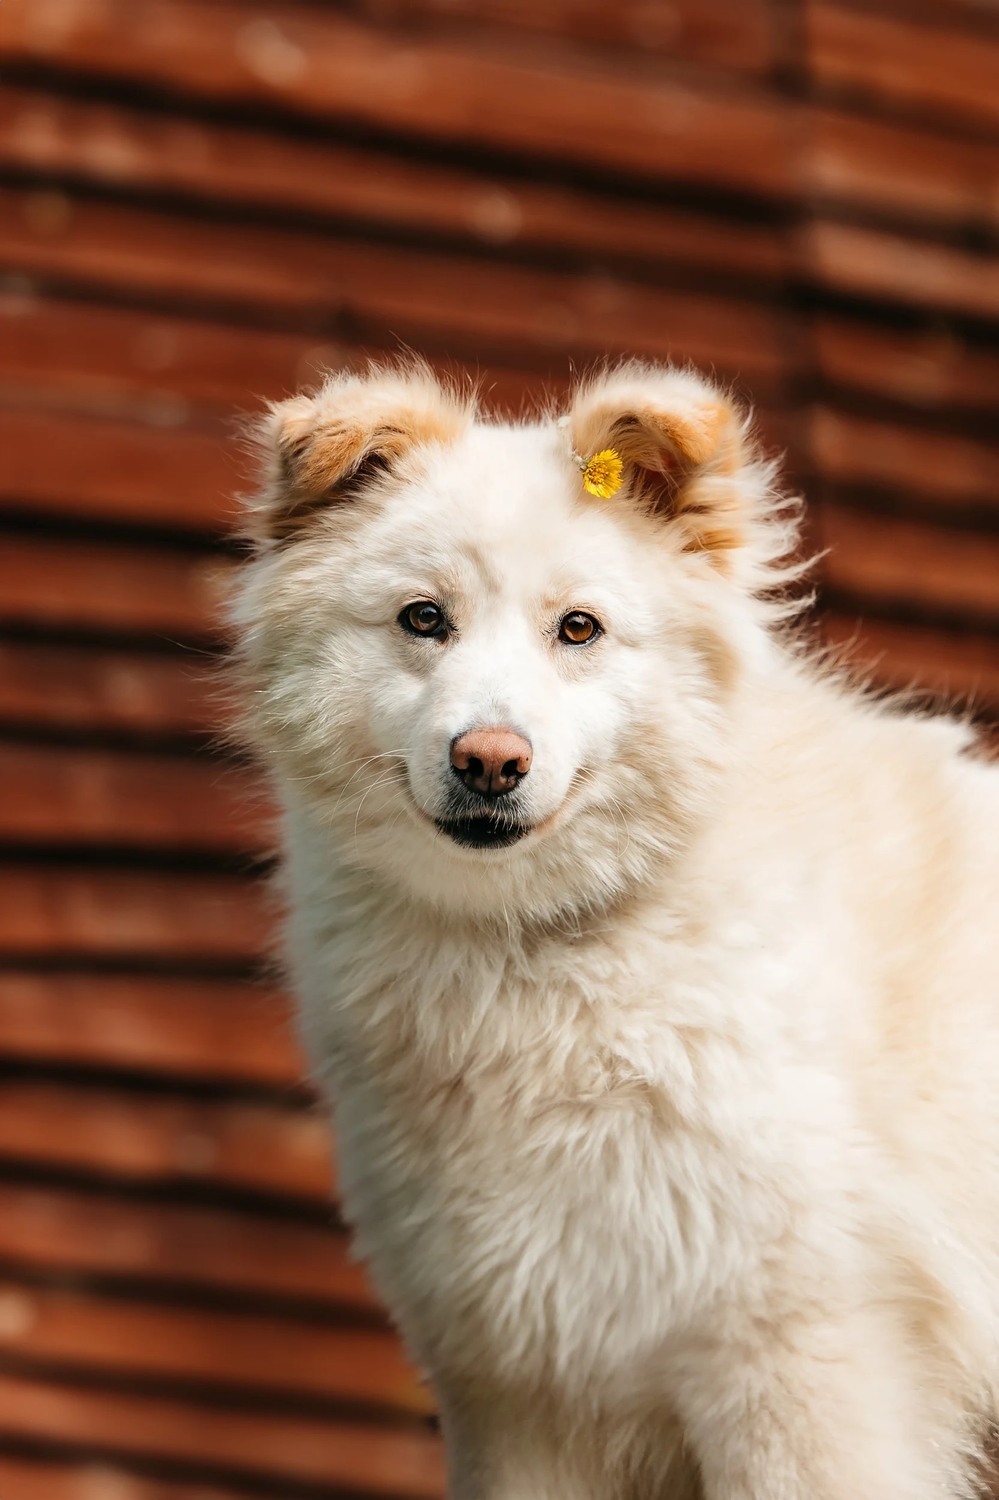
[[66, 911], [392, 293], [206, 1248], [952, 471], [172, 1140], [369, 1460], [736, 34], [895, 268], [159, 365], [902, 562], [119, 471], [927, 369], [176, 1028], [930, 69], [69, 795], [109, 144], [954, 665], [114, 1336], [45, 1479], [126, 590], [886, 165], [322, 63], [95, 689], [166, 370]]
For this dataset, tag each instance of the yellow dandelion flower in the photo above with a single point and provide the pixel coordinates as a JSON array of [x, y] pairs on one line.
[[602, 474]]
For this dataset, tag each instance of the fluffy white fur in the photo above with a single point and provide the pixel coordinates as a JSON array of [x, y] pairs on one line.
[[671, 1131]]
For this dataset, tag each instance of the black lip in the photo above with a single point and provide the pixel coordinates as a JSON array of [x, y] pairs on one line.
[[482, 832]]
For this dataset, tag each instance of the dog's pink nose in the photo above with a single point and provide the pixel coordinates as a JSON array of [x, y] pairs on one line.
[[491, 761]]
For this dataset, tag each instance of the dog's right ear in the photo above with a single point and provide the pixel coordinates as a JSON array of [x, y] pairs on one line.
[[323, 450]]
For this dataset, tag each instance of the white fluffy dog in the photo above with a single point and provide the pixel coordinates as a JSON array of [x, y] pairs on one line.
[[652, 971]]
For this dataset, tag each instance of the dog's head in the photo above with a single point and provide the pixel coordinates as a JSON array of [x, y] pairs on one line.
[[498, 690]]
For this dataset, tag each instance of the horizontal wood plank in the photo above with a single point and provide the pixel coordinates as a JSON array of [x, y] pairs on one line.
[[901, 270], [956, 666], [66, 911], [376, 292], [952, 471], [68, 795], [323, 64], [737, 34], [938, 70], [164, 370], [120, 1336], [173, 1028], [167, 1140], [59, 464], [378, 1461], [901, 562], [928, 369], [59, 1230], [893, 167], [52, 1479], [96, 689], [59, 583], [218, 163]]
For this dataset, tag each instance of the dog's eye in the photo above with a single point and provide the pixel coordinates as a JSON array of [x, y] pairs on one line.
[[578, 629], [423, 618]]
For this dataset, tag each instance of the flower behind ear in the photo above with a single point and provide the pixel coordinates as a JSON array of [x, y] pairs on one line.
[[685, 455], [602, 473]]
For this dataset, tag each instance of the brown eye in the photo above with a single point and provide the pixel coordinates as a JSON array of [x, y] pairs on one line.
[[423, 618], [577, 629]]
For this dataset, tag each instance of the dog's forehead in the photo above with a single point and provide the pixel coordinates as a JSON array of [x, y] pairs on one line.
[[510, 500], [498, 483], [498, 469], [500, 513]]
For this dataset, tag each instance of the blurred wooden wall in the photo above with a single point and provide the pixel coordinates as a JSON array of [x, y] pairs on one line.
[[202, 203]]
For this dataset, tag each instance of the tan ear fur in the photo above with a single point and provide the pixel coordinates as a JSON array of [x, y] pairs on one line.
[[320, 450], [684, 449]]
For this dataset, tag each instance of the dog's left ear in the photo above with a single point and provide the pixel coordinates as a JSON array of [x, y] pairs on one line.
[[685, 452]]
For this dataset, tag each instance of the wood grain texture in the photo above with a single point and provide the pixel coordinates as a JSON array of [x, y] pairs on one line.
[[228, 164], [58, 910], [158, 1026], [952, 471], [931, 368], [54, 1479], [227, 1350], [371, 291], [894, 167], [377, 1461], [126, 589], [137, 1243], [910, 564], [159, 368], [902, 270], [736, 34], [571, 108], [168, 1140], [79, 688], [118, 471], [959, 667], [939, 70], [95, 798]]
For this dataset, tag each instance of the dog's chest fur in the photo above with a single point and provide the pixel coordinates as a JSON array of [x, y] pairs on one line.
[[505, 1133]]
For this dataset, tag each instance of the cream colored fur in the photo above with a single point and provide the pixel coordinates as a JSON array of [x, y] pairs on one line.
[[671, 1132]]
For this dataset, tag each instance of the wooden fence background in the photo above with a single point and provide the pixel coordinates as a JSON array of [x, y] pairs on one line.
[[203, 202]]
